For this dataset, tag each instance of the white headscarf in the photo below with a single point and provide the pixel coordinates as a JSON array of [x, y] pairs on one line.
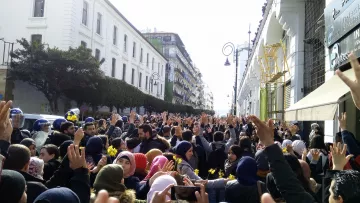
[[36, 167], [299, 146], [286, 142], [159, 185]]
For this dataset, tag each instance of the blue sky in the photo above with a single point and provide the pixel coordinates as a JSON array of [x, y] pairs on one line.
[[204, 27]]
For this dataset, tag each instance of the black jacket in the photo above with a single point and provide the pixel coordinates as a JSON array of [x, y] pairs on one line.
[[57, 138], [18, 135], [234, 192], [286, 181], [49, 168]]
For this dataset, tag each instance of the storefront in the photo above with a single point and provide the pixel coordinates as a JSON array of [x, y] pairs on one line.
[[342, 36]]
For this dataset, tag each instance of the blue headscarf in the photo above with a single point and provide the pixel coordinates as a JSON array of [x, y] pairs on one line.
[[246, 171], [94, 148], [58, 195], [182, 148]]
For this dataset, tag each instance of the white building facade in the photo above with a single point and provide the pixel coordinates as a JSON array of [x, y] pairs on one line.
[[95, 24], [209, 98]]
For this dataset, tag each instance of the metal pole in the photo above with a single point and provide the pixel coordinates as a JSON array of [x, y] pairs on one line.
[[236, 74]]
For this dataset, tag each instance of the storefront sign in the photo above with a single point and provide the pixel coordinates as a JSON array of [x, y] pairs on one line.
[[341, 17], [339, 51]]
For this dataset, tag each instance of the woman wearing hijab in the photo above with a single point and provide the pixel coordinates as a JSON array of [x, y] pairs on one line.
[[111, 179], [184, 150], [36, 167], [246, 187], [158, 162], [12, 187], [94, 152], [160, 184], [234, 156], [141, 162], [127, 161], [58, 195], [150, 156]]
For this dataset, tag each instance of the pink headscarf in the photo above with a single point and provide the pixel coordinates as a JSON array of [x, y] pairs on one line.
[[132, 162], [159, 161]]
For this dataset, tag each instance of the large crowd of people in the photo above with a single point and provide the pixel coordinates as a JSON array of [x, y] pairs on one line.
[[170, 157]]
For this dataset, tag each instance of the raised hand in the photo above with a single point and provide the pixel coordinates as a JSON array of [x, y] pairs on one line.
[[79, 135], [169, 166], [342, 121], [114, 119], [132, 117], [76, 159], [5, 122], [264, 131], [339, 157], [353, 85]]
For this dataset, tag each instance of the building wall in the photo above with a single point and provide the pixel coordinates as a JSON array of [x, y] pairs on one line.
[[62, 27], [280, 16]]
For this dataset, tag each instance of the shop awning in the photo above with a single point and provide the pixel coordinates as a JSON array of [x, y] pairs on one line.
[[322, 103]]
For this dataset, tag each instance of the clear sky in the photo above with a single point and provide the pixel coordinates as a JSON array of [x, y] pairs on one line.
[[204, 27]]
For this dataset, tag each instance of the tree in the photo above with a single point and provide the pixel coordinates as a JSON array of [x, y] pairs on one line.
[[55, 72]]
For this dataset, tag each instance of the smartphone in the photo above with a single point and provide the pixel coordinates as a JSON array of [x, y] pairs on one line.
[[187, 193]]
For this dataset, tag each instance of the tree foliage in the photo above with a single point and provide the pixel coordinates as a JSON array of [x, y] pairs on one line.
[[53, 71], [76, 74]]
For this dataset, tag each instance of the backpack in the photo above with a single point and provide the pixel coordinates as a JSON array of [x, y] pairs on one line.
[[216, 160]]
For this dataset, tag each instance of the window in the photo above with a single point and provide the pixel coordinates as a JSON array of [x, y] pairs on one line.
[[124, 72], [153, 62], [36, 39], [162, 70], [132, 76], [134, 49], [113, 67], [85, 13], [125, 43], [98, 24], [158, 68], [147, 60], [115, 36], [97, 54], [140, 79], [141, 55], [39, 8], [84, 44], [146, 82]]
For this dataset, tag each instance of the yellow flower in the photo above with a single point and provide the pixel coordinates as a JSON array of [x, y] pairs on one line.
[[211, 171], [196, 171], [284, 150], [221, 174], [72, 118], [112, 151], [179, 161], [231, 177], [174, 157]]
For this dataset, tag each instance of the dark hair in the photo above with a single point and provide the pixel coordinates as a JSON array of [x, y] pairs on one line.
[[169, 156], [52, 149], [338, 137], [296, 167], [101, 122], [245, 144], [166, 129], [88, 124], [65, 126], [317, 143], [18, 156], [187, 135], [172, 132], [119, 124], [146, 128], [218, 136], [347, 185], [236, 150], [116, 143]]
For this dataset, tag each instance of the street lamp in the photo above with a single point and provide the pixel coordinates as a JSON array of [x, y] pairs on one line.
[[227, 63], [154, 77], [236, 51]]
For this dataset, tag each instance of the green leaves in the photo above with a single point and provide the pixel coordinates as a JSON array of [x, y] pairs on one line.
[[76, 74]]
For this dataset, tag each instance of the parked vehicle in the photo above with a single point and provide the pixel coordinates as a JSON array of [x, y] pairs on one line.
[[31, 118]]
